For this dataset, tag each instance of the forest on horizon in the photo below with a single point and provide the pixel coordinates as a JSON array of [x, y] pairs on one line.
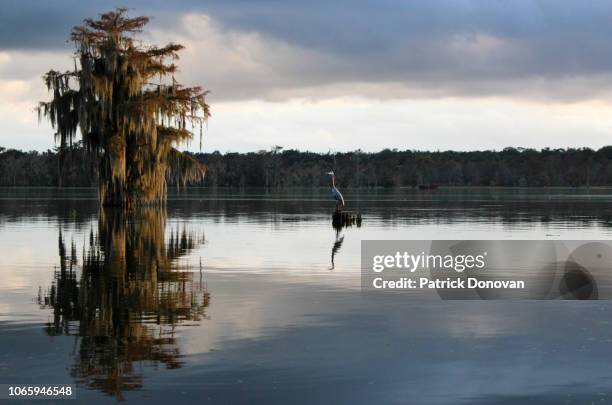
[[276, 168]]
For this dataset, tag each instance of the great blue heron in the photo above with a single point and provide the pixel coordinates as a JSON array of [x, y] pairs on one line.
[[335, 192]]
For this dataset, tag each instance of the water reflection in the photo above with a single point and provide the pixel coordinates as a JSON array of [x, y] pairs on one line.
[[277, 336], [126, 299], [336, 247], [552, 208]]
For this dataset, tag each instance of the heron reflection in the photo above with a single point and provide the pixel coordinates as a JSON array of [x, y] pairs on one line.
[[336, 247], [125, 300], [340, 221]]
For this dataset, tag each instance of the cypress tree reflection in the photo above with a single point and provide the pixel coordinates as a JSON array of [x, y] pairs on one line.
[[129, 296]]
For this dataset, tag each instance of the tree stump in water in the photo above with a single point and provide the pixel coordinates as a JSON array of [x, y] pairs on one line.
[[341, 219]]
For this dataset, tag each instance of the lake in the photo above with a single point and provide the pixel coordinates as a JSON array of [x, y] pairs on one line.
[[251, 296]]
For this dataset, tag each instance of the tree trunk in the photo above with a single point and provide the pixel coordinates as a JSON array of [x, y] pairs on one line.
[[112, 193], [112, 185], [137, 186]]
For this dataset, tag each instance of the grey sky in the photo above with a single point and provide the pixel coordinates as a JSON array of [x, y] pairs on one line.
[[403, 59]]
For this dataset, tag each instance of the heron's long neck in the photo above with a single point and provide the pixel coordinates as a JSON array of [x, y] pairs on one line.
[[333, 180]]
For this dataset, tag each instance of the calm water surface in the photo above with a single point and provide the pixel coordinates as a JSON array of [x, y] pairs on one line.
[[251, 296]]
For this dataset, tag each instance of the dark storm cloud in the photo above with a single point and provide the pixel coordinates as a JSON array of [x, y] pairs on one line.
[[45, 25], [28, 24], [486, 46], [425, 37]]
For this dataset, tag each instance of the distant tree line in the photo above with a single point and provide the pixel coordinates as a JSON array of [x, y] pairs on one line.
[[276, 168]]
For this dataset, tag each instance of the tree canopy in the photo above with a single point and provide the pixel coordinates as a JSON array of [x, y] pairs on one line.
[[123, 98]]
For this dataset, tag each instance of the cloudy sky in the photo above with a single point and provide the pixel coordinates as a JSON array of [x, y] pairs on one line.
[[347, 74]]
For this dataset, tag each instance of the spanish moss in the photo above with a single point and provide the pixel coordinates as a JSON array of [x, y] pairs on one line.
[[123, 100]]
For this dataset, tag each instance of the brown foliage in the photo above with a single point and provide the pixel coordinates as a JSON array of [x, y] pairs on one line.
[[130, 110]]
